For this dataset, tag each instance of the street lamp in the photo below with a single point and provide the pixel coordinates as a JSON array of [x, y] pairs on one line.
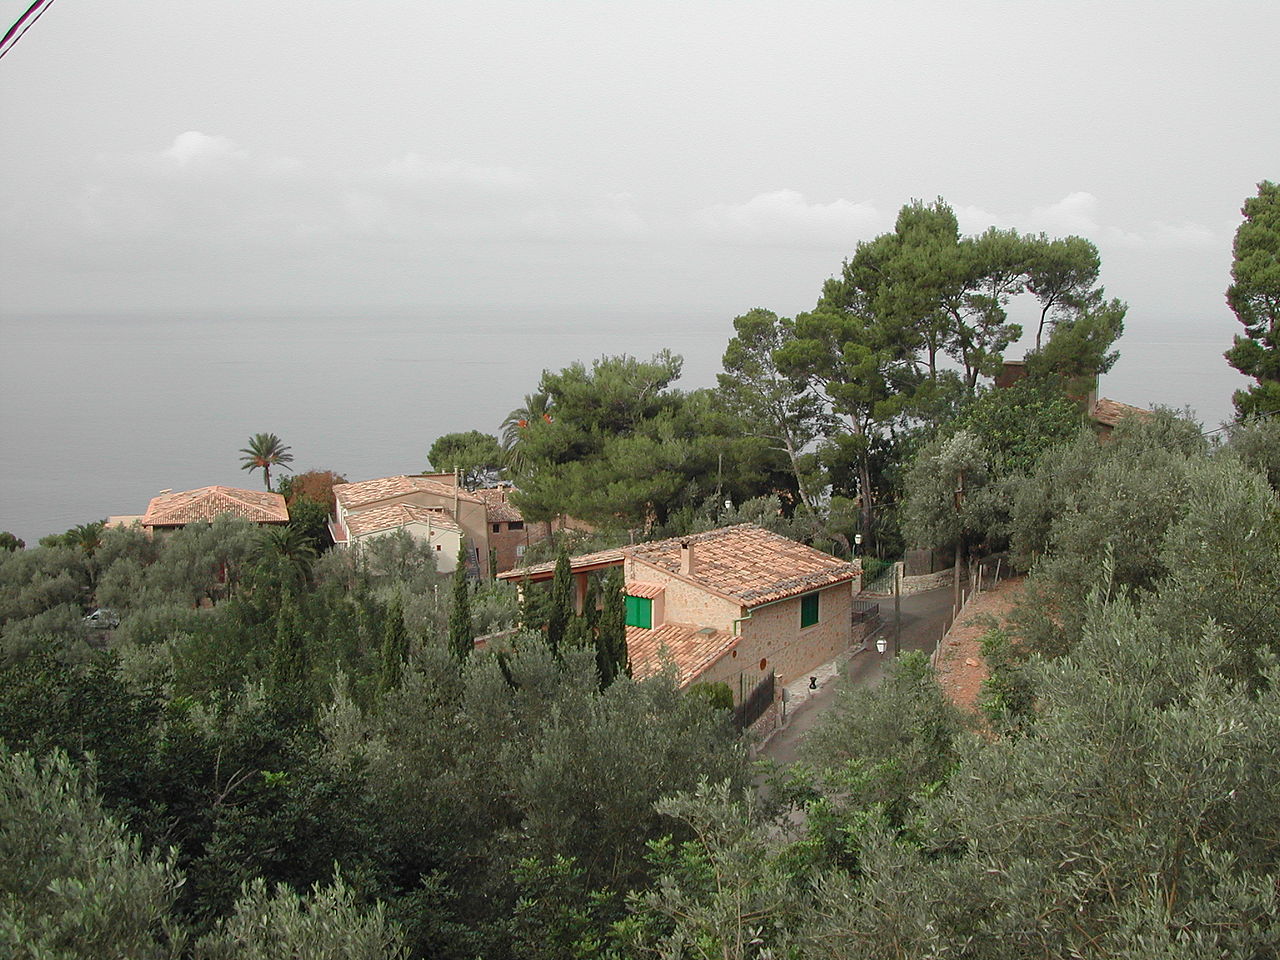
[[857, 542], [882, 644]]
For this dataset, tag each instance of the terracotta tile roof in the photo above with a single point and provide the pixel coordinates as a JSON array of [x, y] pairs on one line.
[[1110, 412], [588, 561], [209, 503], [690, 649], [497, 507], [638, 588], [355, 495], [748, 564], [388, 516]]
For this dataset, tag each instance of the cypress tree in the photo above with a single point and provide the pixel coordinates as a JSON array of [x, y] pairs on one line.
[[461, 635], [611, 639], [591, 602], [531, 613], [560, 611], [395, 646], [579, 633], [291, 663]]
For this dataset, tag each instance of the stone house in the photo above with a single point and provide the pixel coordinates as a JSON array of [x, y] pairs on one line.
[[510, 535], [733, 605], [428, 525], [429, 508]]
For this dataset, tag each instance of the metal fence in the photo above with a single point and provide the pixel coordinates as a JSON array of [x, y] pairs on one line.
[[752, 708]]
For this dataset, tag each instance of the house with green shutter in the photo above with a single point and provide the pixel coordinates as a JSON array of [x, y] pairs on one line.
[[733, 605]]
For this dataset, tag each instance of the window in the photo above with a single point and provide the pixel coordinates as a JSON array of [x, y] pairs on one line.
[[515, 525], [497, 528], [808, 610], [639, 612]]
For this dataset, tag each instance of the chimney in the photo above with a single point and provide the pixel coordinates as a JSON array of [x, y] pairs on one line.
[[687, 565]]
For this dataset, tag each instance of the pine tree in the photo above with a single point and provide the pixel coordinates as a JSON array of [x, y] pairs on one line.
[[395, 646], [1254, 297], [560, 611], [611, 639], [461, 635]]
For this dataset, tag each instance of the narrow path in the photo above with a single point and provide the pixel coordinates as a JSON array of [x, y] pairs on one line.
[[923, 616]]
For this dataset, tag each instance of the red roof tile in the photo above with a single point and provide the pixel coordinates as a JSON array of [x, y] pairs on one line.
[[208, 503], [1110, 412], [388, 516], [497, 507], [692, 650], [588, 561], [747, 563], [355, 495], [637, 588]]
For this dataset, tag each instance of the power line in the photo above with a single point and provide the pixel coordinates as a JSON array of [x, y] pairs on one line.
[[23, 24]]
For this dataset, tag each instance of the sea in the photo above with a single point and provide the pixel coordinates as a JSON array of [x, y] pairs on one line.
[[100, 413]]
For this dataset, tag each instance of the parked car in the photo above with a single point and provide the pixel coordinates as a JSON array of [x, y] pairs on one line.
[[103, 619]]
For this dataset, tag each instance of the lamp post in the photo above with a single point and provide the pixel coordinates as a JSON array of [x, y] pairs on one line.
[[882, 644]]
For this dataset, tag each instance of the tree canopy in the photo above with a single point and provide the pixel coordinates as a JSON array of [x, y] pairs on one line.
[[1254, 296], [476, 456]]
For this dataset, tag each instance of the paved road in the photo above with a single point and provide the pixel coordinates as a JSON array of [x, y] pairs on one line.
[[923, 616]]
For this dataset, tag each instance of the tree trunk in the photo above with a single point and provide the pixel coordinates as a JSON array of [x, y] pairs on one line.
[[795, 470]]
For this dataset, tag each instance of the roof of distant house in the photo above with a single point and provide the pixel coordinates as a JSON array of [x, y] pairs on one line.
[[691, 650], [1111, 412], [498, 508], [389, 516], [365, 492], [582, 564], [208, 503], [747, 563]]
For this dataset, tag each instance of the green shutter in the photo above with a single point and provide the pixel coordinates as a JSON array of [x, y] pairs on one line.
[[639, 612], [808, 610]]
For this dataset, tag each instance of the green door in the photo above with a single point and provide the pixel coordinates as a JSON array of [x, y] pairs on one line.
[[639, 612]]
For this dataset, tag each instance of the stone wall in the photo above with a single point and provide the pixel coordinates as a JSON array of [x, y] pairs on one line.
[[683, 602], [773, 634], [910, 585]]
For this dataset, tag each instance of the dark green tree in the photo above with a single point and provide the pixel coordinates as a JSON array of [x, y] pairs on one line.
[[476, 456], [516, 427], [780, 409], [311, 520], [1254, 296], [612, 660], [533, 615], [1060, 274], [1080, 346], [265, 450], [395, 645], [560, 607], [461, 634], [611, 452], [9, 542], [291, 680]]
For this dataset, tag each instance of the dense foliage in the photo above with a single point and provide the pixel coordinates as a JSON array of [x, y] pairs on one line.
[[263, 749]]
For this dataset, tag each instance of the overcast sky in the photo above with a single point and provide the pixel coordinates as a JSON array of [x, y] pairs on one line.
[[708, 157]]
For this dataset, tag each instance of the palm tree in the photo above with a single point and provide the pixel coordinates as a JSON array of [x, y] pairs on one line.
[[288, 552], [537, 406], [265, 450]]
